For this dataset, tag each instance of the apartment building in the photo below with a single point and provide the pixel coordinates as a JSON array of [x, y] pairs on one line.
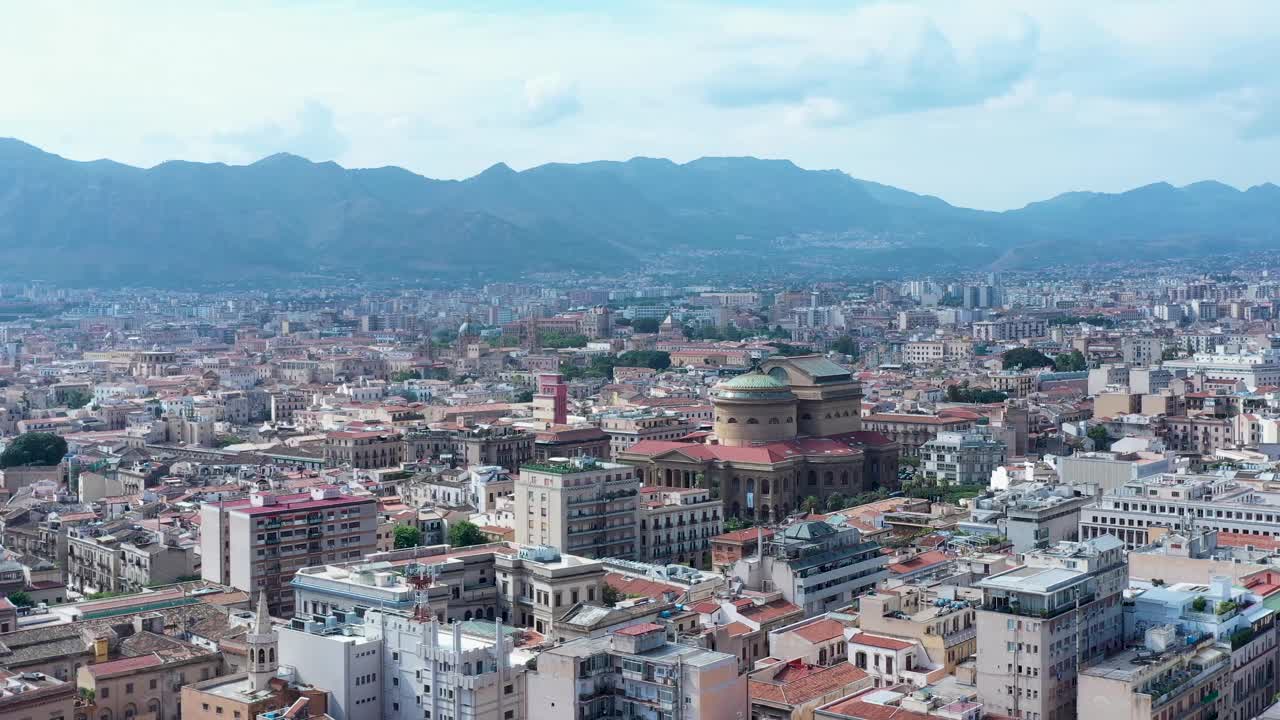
[[677, 524], [1232, 616], [581, 506], [363, 449], [144, 684], [627, 429], [126, 559], [525, 586], [36, 696], [1202, 434], [816, 566], [1165, 501], [913, 431], [945, 627], [1009, 329], [961, 458], [1165, 680], [928, 352], [635, 673], [1040, 622], [1233, 362], [258, 543], [1014, 383]]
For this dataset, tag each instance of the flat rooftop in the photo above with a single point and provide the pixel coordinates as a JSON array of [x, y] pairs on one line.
[[1042, 580]]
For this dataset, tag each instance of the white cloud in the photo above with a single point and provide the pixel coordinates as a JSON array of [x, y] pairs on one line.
[[989, 104], [550, 98]]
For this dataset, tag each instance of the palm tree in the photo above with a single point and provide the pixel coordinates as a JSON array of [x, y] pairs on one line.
[[811, 504]]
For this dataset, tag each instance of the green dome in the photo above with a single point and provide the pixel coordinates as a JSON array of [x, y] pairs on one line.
[[754, 381]]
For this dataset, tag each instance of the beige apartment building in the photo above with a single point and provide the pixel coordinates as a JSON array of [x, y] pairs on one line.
[[144, 686], [580, 506], [928, 352], [258, 543], [636, 673], [677, 524], [1162, 681], [630, 428], [1043, 621], [36, 696], [126, 561], [912, 431], [363, 449], [948, 632]]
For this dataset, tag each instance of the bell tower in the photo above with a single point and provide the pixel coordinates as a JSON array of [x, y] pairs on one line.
[[262, 645]]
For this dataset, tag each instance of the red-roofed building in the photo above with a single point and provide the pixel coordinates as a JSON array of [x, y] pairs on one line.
[[791, 690], [817, 640], [243, 542], [918, 564], [782, 433], [728, 548]]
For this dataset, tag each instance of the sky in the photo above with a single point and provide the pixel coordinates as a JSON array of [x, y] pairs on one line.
[[984, 103]]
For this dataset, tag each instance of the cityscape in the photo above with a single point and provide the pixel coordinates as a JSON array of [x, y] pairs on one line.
[[312, 407]]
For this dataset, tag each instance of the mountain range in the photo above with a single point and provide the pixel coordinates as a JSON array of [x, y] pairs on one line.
[[183, 223]]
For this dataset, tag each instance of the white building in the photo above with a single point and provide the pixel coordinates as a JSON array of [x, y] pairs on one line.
[[1232, 362]]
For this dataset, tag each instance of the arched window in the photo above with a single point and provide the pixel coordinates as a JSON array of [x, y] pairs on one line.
[[733, 420], [774, 421], [271, 653], [262, 656], [789, 420]]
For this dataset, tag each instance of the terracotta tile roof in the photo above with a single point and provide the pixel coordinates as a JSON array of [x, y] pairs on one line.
[[919, 562], [643, 588], [706, 607], [640, 629], [744, 535], [124, 665], [737, 628], [880, 641], [856, 707], [1261, 542], [820, 631], [800, 682], [768, 612]]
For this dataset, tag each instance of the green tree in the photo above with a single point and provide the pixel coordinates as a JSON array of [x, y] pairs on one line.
[[21, 599], [558, 340], [226, 440], [1098, 434], [34, 449], [845, 345], [1070, 362], [402, 375], [836, 501], [646, 325], [465, 533], [655, 359], [76, 399], [407, 536], [811, 504], [610, 596], [524, 396], [1025, 358]]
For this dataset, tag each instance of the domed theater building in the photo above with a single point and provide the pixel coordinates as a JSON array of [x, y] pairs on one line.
[[786, 431]]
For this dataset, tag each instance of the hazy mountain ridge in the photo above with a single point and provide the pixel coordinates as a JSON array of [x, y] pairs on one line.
[[93, 221]]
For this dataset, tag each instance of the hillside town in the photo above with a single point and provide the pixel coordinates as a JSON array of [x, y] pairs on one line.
[[1034, 495]]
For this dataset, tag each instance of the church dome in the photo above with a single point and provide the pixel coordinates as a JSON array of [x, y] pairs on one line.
[[754, 385]]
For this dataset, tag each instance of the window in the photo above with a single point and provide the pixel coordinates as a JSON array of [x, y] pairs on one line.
[[106, 693]]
